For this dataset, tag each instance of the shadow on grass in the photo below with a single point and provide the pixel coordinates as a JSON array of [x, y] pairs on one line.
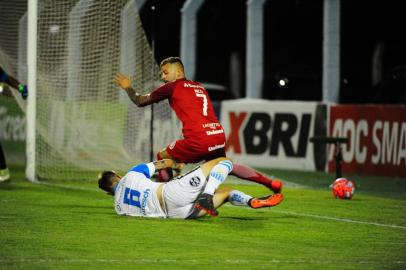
[[246, 218], [9, 186]]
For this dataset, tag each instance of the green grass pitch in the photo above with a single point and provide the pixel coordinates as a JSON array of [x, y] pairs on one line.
[[72, 225]]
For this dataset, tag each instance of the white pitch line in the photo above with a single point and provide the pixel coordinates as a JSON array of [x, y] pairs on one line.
[[197, 261], [341, 219], [330, 218]]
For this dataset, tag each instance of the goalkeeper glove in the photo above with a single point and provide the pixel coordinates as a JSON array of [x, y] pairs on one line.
[[23, 91]]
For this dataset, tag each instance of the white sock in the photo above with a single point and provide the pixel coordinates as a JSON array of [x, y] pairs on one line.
[[239, 198], [217, 176]]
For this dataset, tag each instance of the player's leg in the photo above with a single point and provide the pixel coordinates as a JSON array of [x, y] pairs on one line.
[[182, 151], [181, 194], [166, 174], [193, 151], [216, 172], [239, 198], [247, 173], [220, 197], [208, 166], [4, 172], [267, 201]]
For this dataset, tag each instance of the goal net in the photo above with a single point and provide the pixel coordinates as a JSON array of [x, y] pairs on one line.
[[85, 123]]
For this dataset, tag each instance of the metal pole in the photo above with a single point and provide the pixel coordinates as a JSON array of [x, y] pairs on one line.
[[331, 51], [255, 66], [188, 36], [151, 137], [32, 89]]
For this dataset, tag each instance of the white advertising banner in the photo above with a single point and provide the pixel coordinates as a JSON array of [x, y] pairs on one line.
[[272, 134]]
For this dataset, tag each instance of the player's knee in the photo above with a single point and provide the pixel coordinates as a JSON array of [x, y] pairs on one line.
[[227, 163], [163, 154], [224, 190], [158, 156], [225, 159]]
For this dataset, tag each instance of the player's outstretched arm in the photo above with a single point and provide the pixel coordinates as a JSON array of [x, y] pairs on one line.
[[13, 82], [125, 83]]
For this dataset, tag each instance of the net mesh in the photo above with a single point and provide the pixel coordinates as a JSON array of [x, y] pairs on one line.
[[85, 124]]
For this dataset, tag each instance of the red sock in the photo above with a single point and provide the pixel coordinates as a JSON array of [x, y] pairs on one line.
[[164, 175], [247, 173]]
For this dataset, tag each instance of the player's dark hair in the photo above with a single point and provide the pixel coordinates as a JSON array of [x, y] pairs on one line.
[[106, 180], [171, 60]]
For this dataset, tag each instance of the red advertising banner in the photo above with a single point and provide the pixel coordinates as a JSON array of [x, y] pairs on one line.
[[377, 139]]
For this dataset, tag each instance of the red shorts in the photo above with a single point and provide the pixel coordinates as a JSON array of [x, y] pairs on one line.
[[197, 149]]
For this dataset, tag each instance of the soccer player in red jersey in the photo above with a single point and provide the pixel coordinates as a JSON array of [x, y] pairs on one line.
[[203, 135]]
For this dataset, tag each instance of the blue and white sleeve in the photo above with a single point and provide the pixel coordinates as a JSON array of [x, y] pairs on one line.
[[146, 169]]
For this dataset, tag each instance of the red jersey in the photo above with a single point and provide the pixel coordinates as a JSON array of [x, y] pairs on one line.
[[192, 105]]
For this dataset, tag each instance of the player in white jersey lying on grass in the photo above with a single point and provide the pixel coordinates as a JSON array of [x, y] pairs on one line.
[[190, 195]]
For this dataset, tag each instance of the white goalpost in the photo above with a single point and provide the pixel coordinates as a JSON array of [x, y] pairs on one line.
[[78, 121], [32, 84]]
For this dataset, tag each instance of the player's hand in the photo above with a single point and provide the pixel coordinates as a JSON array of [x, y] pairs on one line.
[[177, 167], [122, 81], [22, 88]]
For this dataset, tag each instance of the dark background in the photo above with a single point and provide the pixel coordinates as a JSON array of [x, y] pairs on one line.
[[293, 45]]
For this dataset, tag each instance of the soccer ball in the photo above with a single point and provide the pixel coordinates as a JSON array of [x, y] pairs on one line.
[[343, 188]]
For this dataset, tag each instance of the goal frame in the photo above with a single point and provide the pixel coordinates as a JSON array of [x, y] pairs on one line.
[[32, 21]]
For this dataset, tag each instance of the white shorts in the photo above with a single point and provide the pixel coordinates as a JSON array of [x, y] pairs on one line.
[[180, 193]]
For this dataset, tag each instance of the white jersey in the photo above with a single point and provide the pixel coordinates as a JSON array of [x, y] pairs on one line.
[[135, 194]]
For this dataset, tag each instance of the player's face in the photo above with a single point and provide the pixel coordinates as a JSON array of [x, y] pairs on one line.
[[168, 72], [115, 181]]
